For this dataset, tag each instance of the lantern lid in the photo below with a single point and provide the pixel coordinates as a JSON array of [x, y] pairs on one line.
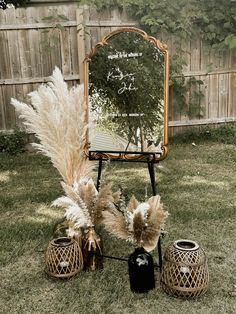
[[186, 245]]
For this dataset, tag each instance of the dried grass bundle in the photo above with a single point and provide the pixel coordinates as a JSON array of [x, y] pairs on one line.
[[138, 223], [57, 117], [83, 204]]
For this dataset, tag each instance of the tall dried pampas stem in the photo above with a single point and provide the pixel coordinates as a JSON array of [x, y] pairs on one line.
[[57, 117]]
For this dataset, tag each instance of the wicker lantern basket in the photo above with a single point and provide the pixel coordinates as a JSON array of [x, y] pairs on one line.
[[63, 258], [185, 271]]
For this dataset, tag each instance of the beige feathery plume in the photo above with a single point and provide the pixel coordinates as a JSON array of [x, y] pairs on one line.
[[57, 117], [115, 224], [155, 223], [138, 227], [85, 203], [133, 203], [116, 196], [106, 201], [138, 223], [88, 193], [76, 209]]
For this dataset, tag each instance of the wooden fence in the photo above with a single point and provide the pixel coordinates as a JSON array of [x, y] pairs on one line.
[[35, 39]]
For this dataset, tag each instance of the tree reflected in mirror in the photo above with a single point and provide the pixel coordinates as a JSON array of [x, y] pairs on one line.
[[126, 91]]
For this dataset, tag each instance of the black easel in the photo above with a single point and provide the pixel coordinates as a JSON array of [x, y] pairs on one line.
[[150, 164]]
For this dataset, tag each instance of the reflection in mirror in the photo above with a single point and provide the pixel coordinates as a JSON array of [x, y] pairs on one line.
[[127, 94]]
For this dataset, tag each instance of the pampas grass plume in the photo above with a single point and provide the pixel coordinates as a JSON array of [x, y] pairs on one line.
[[57, 117]]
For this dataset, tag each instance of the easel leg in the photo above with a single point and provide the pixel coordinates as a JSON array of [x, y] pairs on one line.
[[99, 174], [153, 182], [159, 252], [152, 177]]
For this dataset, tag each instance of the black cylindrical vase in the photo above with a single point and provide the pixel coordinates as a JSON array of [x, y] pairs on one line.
[[141, 271]]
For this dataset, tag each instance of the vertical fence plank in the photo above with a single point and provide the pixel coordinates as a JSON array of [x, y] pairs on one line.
[[176, 113], [62, 44], [45, 43], [195, 57], [8, 92], [24, 48], [34, 43], [186, 54], [204, 88], [232, 95], [5, 64], [13, 45], [3, 125], [72, 15], [195, 65], [14, 68], [213, 97], [65, 51], [205, 58], [94, 31], [80, 42], [223, 94], [87, 30]]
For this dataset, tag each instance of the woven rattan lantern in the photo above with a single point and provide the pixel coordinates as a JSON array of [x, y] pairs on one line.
[[185, 271], [63, 258]]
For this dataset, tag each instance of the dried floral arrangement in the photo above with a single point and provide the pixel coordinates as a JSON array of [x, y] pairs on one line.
[[84, 205], [138, 223], [57, 118]]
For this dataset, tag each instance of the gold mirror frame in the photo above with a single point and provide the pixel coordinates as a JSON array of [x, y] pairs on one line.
[[123, 155]]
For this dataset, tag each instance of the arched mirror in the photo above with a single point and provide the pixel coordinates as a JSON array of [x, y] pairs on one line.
[[126, 91]]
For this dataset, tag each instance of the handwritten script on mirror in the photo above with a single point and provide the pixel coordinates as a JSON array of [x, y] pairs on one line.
[[122, 55], [117, 74]]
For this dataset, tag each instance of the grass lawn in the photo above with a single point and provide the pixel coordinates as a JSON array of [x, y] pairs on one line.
[[197, 184]]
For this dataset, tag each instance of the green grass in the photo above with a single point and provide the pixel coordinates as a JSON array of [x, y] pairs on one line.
[[197, 184]]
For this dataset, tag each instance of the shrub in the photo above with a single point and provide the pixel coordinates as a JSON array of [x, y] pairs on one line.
[[13, 143]]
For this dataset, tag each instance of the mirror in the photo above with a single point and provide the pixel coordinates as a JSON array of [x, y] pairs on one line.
[[126, 92]]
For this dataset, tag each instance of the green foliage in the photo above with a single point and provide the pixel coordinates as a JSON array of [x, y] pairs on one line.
[[13, 143], [214, 21], [17, 3]]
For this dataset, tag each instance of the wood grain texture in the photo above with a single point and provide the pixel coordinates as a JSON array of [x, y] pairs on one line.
[[80, 32], [31, 46]]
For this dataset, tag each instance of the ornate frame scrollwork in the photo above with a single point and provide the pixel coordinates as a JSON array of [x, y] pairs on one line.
[[126, 155]]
